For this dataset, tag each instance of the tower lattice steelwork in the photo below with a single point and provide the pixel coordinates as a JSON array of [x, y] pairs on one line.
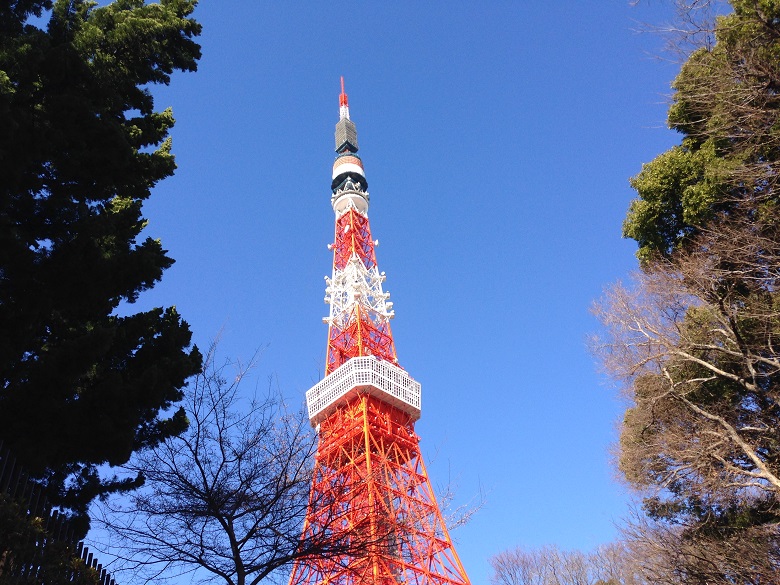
[[369, 479]]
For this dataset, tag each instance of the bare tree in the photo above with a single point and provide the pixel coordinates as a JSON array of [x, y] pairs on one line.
[[515, 567], [228, 498], [671, 555], [610, 564], [616, 564], [690, 26], [695, 342]]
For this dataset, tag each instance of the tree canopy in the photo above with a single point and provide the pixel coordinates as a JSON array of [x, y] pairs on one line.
[[81, 384], [695, 339], [725, 105]]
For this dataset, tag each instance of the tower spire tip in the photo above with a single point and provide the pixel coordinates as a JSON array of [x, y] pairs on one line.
[[343, 100]]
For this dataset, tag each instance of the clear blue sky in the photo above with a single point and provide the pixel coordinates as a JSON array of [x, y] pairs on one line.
[[498, 139]]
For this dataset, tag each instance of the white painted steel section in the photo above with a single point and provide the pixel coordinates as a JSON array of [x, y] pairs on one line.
[[341, 168], [356, 284], [350, 198], [344, 200], [367, 374]]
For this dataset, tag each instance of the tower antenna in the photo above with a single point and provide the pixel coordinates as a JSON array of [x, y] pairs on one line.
[[343, 101]]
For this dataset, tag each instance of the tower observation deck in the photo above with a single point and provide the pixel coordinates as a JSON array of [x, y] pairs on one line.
[[370, 491]]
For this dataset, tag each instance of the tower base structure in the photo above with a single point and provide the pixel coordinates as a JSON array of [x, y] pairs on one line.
[[371, 485]]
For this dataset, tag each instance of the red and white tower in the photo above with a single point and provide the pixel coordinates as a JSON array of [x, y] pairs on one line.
[[369, 478]]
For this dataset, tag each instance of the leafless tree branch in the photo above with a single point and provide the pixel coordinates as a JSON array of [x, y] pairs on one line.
[[225, 501]]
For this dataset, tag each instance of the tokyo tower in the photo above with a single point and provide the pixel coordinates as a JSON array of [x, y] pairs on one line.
[[369, 479]]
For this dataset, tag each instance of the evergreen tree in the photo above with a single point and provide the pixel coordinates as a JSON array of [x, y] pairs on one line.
[[81, 147], [697, 338], [726, 105]]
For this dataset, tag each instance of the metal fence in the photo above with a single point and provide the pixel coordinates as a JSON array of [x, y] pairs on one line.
[[25, 561]]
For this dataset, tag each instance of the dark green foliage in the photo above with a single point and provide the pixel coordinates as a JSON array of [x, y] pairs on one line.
[[678, 191], [25, 543], [726, 105], [81, 146]]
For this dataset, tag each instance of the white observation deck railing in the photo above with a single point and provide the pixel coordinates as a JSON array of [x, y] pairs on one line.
[[368, 374]]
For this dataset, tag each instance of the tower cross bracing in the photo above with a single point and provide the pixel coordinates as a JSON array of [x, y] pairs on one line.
[[370, 491]]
